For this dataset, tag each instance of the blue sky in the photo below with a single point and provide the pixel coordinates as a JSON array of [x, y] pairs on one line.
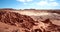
[[27, 4]]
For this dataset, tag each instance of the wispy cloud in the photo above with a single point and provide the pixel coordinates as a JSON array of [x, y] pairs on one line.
[[47, 3], [24, 0], [51, 0], [40, 3], [54, 4], [47, 0]]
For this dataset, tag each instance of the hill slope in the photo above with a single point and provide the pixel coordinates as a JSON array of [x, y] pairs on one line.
[[18, 21]]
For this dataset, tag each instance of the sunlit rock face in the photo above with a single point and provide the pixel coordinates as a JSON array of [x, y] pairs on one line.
[[21, 21]]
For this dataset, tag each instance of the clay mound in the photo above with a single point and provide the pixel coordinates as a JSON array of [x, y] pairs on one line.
[[16, 19]]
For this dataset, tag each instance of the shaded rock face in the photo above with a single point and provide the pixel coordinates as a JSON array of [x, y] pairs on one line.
[[27, 23], [46, 21]]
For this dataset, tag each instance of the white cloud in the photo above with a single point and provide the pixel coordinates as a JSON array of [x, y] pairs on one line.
[[42, 3], [24, 0], [47, 0], [51, 0], [54, 4], [48, 3]]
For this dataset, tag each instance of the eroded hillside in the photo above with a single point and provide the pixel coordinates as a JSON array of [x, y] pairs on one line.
[[29, 21]]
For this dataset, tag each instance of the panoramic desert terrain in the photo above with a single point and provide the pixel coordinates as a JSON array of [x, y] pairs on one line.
[[29, 20]]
